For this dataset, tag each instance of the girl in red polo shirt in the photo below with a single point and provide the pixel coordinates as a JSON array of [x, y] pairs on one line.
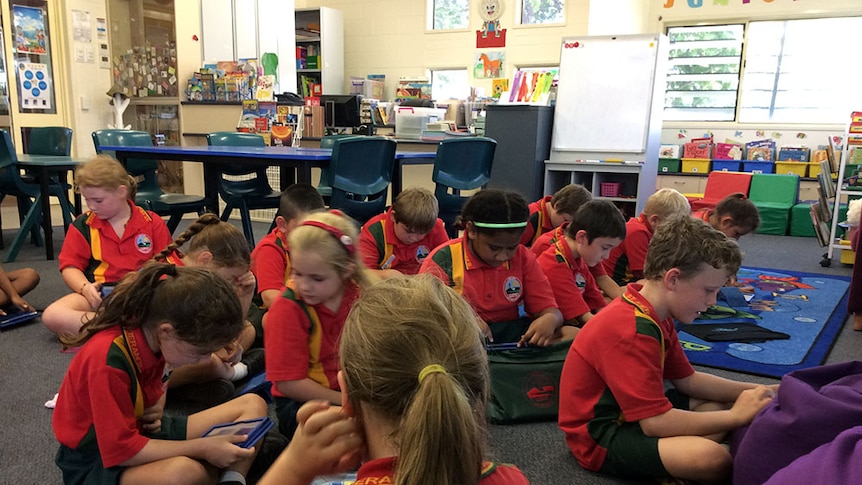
[[304, 324], [414, 382], [110, 240], [496, 274], [109, 416]]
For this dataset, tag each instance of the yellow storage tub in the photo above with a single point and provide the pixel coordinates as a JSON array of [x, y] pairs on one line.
[[696, 165]]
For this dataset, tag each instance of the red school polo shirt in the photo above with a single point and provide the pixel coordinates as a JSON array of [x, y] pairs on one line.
[[574, 286], [547, 239], [296, 348], [630, 255], [92, 245], [96, 396], [270, 261], [379, 232], [494, 292], [539, 221]]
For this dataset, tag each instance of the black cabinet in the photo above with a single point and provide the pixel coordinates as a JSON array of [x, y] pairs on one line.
[[523, 135]]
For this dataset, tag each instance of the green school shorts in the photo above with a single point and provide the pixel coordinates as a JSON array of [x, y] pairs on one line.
[[83, 466], [631, 453]]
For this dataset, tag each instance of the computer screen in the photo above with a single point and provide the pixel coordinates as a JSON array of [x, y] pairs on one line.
[[341, 110]]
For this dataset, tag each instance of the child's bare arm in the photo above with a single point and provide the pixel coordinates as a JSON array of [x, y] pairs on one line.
[[708, 387], [677, 422], [219, 451], [307, 390], [543, 328], [609, 287]]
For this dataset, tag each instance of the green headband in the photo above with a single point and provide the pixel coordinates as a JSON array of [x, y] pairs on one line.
[[500, 225]]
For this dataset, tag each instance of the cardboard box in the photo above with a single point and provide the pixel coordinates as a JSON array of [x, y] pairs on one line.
[[692, 165]]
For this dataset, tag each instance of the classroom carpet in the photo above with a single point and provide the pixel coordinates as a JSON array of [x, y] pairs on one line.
[[791, 322]]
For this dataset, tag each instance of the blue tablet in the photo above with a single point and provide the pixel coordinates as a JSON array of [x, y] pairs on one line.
[[255, 429], [15, 316]]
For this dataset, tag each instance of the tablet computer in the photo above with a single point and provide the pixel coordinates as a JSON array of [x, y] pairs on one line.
[[15, 316], [255, 429]]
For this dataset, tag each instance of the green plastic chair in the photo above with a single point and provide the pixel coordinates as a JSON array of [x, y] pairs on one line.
[[361, 173], [324, 187], [460, 164], [12, 184], [149, 194], [247, 187], [49, 140], [774, 195]]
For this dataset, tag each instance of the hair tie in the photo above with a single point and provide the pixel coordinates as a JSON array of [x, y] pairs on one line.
[[431, 369], [344, 239], [500, 225]]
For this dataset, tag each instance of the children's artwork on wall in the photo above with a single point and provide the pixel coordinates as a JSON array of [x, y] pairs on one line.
[[491, 34], [681, 134], [488, 65], [776, 134], [801, 135], [30, 36], [498, 87]]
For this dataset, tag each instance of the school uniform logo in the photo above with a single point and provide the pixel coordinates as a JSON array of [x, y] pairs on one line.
[[422, 253], [144, 244], [580, 281], [512, 289]]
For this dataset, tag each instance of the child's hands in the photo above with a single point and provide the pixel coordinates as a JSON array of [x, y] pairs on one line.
[[223, 451], [20, 303], [92, 293], [325, 442], [244, 286], [750, 402], [151, 421], [540, 333]]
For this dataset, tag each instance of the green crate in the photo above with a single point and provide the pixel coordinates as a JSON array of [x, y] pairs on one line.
[[668, 165]]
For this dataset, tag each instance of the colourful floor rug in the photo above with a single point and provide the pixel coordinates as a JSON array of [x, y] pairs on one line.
[[798, 316]]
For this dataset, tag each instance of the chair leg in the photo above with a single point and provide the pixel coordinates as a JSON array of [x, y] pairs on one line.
[[67, 210], [246, 224], [24, 207], [228, 209], [174, 221], [30, 222]]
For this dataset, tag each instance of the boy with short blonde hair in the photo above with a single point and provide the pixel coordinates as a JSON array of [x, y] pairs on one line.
[[398, 241], [552, 211], [626, 262], [615, 412]]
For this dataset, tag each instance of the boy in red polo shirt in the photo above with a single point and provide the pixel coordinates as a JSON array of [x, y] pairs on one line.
[[626, 262], [552, 211], [398, 241], [614, 410], [270, 259], [598, 227]]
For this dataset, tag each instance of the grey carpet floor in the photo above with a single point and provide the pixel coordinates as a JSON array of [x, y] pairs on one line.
[[32, 367]]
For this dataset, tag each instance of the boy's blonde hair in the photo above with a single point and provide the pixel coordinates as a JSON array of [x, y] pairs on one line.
[[687, 243], [411, 350], [665, 203], [416, 208], [338, 245], [103, 172]]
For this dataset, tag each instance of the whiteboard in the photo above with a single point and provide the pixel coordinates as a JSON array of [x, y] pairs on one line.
[[217, 30], [605, 91]]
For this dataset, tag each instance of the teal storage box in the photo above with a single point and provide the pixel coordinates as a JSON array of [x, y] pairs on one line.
[[669, 165], [726, 165], [757, 166]]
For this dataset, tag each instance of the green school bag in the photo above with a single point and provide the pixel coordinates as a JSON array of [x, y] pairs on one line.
[[525, 382]]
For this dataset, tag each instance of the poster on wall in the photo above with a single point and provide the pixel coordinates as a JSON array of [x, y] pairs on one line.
[[35, 85], [30, 36], [488, 65]]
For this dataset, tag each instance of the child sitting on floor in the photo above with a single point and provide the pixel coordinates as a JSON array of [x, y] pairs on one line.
[[553, 210], [615, 412], [398, 241], [734, 215], [626, 262], [414, 382], [597, 228]]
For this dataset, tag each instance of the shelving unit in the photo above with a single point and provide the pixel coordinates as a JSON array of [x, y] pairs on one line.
[[320, 30], [593, 175], [843, 193]]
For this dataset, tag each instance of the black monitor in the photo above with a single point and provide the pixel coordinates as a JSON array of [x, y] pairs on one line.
[[341, 110]]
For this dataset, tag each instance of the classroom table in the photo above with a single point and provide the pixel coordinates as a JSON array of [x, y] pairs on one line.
[[302, 160], [45, 166]]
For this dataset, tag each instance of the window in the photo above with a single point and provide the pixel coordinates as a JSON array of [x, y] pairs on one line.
[[793, 72], [703, 72], [543, 12], [449, 14], [449, 84]]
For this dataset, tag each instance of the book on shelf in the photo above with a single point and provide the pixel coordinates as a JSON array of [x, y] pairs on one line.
[[821, 227], [827, 185]]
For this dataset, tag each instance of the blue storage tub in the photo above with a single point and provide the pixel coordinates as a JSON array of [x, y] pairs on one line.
[[726, 165], [757, 166]]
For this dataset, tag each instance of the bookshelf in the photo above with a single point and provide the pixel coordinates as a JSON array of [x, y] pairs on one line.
[[841, 190], [320, 50]]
